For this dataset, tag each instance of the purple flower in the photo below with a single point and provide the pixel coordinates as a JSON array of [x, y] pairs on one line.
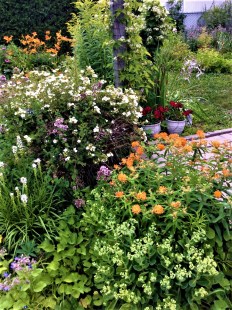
[[59, 124], [79, 202], [22, 263], [7, 60], [5, 274], [2, 78], [103, 173]]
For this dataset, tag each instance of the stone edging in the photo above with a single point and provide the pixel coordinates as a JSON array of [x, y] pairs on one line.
[[210, 134]]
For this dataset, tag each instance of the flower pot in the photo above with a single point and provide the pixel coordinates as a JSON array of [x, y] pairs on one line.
[[176, 126], [152, 129]]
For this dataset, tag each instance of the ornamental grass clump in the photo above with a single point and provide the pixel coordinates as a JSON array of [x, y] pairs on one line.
[[161, 227]]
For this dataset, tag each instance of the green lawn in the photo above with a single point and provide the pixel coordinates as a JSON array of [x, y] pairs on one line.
[[212, 101]]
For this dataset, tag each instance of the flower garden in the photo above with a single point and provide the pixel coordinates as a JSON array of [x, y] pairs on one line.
[[95, 212]]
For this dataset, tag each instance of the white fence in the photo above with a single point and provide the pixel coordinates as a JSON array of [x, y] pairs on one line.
[[194, 8]]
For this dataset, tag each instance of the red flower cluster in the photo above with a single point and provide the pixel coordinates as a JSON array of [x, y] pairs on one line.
[[176, 111], [146, 110], [154, 115], [177, 105]]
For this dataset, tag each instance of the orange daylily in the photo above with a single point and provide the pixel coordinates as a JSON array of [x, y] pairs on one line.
[[8, 39]]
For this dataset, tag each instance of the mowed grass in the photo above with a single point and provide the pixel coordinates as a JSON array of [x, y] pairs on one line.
[[211, 96]]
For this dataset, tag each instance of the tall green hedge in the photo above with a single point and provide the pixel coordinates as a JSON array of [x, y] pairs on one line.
[[25, 16]]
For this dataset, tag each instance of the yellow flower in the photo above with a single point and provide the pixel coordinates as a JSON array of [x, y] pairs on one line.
[[216, 144], [201, 134], [160, 146], [226, 173], [135, 144]]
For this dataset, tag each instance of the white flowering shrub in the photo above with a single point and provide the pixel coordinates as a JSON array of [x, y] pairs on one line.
[[70, 123], [157, 24]]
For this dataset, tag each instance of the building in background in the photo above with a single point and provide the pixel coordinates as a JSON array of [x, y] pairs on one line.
[[193, 9]]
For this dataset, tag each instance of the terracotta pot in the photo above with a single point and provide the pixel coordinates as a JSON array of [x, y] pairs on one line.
[[176, 126]]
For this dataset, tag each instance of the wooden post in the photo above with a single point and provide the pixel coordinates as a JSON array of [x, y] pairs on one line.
[[119, 31]]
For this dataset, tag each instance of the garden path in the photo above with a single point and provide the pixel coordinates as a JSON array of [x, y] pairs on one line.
[[222, 136]]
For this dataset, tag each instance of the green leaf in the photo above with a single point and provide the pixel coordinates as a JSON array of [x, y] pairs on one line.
[[128, 307], [192, 283], [47, 246], [210, 233], [54, 265], [72, 277], [193, 306], [39, 286], [49, 302], [220, 305], [227, 235]]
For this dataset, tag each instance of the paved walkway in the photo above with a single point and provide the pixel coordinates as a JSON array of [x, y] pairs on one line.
[[219, 135]]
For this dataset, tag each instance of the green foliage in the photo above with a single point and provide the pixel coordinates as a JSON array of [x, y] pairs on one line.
[[93, 44], [28, 202], [157, 24], [170, 57], [59, 280], [39, 16], [210, 99], [175, 11], [163, 244], [218, 15], [13, 59], [213, 61]]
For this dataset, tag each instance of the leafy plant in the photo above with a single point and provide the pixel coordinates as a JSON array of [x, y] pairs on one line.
[[164, 244], [213, 61], [74, 123], [93, 44], [218, 15], [60, 279], [29, 204]]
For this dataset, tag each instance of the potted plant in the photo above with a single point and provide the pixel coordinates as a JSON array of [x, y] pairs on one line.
[[176, 117], [152, 118]]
